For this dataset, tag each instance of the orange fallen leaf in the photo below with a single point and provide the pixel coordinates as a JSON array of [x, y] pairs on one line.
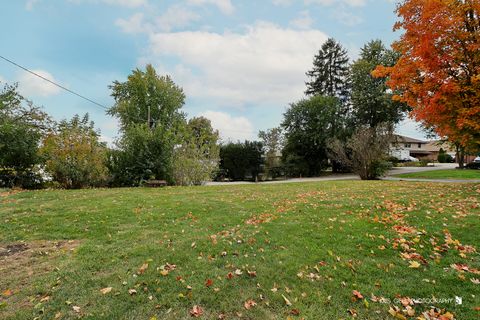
[[209, 283], [357, 294], [7, 293], [143, 268], [196, 311], [249, 304]]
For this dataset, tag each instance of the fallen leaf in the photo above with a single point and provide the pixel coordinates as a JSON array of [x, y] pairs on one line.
[[164, 273], [7, 293], [414, 265], [132, 291], [357, 294], [76, 309], [143, 268], [287, 302], [196, 311], [106, 290], [209, 283], [249, 304]]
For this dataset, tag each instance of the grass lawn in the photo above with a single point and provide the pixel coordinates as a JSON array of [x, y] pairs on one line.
[[323, 250], [443, 174]]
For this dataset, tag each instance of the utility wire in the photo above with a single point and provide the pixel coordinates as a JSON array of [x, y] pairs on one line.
[[79, 95], [54, 83]]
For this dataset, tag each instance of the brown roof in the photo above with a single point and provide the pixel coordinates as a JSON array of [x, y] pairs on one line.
[[404, 139]]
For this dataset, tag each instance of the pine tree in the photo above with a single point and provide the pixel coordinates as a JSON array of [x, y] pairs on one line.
[[329, 75]]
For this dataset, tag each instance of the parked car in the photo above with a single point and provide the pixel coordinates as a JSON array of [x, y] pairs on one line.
[[410, 159], [477, 159]]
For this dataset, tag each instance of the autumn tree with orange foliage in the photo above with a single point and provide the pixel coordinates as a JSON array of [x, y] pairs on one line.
[[438, 73]]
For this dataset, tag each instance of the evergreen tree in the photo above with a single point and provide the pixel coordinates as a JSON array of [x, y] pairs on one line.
[[330, 73]]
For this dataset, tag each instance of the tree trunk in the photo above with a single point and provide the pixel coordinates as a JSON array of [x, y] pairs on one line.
[[461, 158]]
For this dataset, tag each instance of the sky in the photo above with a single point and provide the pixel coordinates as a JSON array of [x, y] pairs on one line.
[[240, 62]]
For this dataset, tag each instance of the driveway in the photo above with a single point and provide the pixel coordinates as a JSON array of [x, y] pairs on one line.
[[337, 177], [436, 166]]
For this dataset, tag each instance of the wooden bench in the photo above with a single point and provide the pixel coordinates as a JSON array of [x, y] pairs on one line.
[[155, 183]]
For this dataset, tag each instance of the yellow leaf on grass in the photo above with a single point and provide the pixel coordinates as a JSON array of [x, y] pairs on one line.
[[414, 265], [164, 273], [106, 290]]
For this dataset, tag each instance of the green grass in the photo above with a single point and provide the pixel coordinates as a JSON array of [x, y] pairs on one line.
[[316, 244], [443, 174]]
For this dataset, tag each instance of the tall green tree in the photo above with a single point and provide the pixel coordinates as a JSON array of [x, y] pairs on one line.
[[75, 157], [330, 73], [148, 107], [241, 160], [147, 96], [371, 98], [196, 159], [309, 124], [22, 126]]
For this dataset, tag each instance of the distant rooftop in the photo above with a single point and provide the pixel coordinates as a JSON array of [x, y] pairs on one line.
[[404, 139]]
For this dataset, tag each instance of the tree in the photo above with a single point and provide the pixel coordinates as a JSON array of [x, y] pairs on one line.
[[272, 139], [21, 128], [148, 107], [197, 157], [329, 76], [308, 125], [75, 157], [141, 154], [371, 98], [242, 160], [365, 152], [438, 72], [147, 98]]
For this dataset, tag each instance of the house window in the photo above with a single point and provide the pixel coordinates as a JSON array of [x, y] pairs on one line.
[[408, 145], [419, 146]]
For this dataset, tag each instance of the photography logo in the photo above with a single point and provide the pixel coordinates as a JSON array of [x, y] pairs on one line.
[[458, 300]]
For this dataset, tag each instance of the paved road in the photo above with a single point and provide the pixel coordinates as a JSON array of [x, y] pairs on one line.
[[337, 177]]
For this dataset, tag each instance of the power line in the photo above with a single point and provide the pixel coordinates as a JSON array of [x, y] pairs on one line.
[[54, 83]]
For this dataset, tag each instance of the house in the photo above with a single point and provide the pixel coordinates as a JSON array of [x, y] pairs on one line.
[[403, 147]]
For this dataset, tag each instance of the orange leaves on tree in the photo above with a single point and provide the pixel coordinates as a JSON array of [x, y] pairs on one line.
[[438, 73]]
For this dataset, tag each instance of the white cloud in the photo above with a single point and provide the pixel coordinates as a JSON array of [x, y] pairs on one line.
[[225, 6], [283, 3], [230, 128], [175, 16], [127, 3], [346, 17], [122, 3], [134, 24], [303, 21], [29, 5], [31, 85], [264, 65], [351, 3]]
